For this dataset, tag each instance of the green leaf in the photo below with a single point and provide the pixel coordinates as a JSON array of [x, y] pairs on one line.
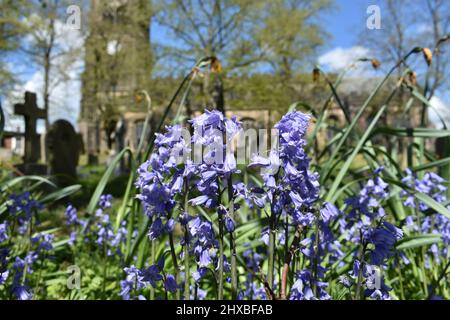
[[432, 203], [104, 180], [21, 179], [358, 115], [2, 120], [437, 163], [350, 159], [418, 241], [62, 193], [424, 100], [413, 132], [304, 105], [438, 207]]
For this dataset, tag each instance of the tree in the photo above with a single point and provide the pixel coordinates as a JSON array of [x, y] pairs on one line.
[[11, 29], [245, 35], [117, 61], [291, 32], [438, 11], [420, 23], [49, 46]]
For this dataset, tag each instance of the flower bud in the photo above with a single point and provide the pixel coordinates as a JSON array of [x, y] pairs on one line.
[[375, 63], [428, 55], [316, 74]]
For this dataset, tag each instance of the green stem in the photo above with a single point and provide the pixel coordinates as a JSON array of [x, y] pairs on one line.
[[152, 262], [220, 289], [402, 291], [175, 264], [38, 282], [25, 268], [105, 267], [316, 255], [422, 267], [186, 245], [234, 278], [270, 276], [360, 274], [360, 112], [186, 271]]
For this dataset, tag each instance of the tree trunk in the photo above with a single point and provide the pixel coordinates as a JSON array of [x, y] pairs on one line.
[[218, 94]]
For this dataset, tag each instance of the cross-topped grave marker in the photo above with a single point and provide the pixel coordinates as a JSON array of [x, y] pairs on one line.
[[31, 113]]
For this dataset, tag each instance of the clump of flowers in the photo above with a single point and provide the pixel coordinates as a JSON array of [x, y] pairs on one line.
[[170, 175], [222, 234], [366, 226], [24, 208], [137, 279], [291, 189]]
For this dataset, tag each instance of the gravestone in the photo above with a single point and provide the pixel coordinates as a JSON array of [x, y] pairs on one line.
[[63, 146], [30, 111], [119, 141]]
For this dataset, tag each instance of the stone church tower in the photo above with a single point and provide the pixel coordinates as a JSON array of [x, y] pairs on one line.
[[117, 65]]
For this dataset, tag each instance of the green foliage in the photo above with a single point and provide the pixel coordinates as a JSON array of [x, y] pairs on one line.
[[346, 162]]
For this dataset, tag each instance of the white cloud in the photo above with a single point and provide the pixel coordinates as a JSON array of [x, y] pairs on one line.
[[339, 58], [440, 107], [424, 28]]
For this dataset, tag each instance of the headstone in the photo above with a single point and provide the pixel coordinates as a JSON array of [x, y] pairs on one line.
[[63, 146], [119, 141], [119, 134], [31, 113]]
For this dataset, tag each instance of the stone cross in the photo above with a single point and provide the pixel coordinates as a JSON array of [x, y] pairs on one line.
[[31, 113]]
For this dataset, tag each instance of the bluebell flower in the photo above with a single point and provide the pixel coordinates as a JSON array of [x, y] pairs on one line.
[[289, 184], [384, 239], [71, 215], [375, 286], [345, 281], [156, 229], [4, 253], [105, 234], [152, 275], [72, 238], [329, 212], [252, 290], [201, 294], [170, 284], [205, 258], [253, 260], [46, 243], [3, 232], [302, 287], [23, 206], [199, 200], [105, 201], [3, 277], [120, 236], [229, 224], [433, 186], [133, 282], [22, 292], [199, 274]]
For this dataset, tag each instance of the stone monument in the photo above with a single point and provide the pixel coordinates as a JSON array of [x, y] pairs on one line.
[[63, 147]]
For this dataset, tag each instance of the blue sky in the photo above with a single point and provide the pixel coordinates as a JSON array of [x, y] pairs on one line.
[[345, 23]]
